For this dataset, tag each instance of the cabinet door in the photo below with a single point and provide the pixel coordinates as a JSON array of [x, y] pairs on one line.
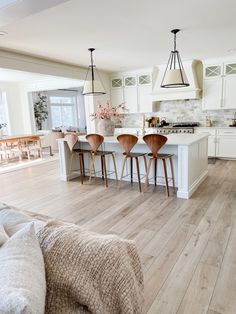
[[145, 98], [131, 99], [117, 96], [212, 93], [226, 146], [229, 95]]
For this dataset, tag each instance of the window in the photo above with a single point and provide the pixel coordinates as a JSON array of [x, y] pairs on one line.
[[4, 112], [63, 111]]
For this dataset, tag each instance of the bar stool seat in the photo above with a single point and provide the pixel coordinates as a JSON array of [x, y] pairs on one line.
[[134, 155], [155, 142], [128, 141], [95, 141], [160, 156]]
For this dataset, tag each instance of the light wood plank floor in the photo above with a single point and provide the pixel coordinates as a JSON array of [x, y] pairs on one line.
[[187, 247]]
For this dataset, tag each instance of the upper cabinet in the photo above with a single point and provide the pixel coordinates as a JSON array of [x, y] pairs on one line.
[[135, 89], [219, 86]]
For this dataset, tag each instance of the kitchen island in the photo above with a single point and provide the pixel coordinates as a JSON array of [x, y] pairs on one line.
[[190, 160]]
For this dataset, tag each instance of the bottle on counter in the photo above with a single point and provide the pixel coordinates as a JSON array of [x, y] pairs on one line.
[[208, 123]]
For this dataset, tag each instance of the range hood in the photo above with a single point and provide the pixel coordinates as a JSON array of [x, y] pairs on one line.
[[193, 70]]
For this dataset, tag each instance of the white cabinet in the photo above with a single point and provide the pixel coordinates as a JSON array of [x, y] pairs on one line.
[[226, 147], [226, 143], [219, 86], [135, 89], [212, 94], [117, 95], [229, 95], [221, 141], [131, 99]]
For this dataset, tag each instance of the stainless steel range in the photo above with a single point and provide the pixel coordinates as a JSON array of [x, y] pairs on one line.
[[180, 127]]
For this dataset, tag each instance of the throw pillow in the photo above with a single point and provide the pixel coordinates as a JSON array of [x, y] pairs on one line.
[[3, 235], [14, 220], [22, 274]]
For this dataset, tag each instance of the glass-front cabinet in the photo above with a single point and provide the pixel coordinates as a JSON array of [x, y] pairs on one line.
[[219, 86], [135, 89]]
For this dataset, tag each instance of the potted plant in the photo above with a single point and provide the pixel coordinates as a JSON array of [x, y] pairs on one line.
[[40, 110], [106, 115]]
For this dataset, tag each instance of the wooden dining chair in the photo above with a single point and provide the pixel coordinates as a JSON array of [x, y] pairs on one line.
[[155, 142], [95, 141], [128, 141]]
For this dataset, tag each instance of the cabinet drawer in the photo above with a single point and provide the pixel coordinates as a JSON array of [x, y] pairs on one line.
[[228, 132], [205, 131]]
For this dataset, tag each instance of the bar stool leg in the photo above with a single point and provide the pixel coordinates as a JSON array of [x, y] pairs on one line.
[[122, 171], [81, 167], [145, 165], [138, 172], [114, 162], [131, 170], [105, 169], [172, 172], [82, 156], [102, 168], [155, 171], [91, 167], [147, 174], [71, 161], [166, 178]]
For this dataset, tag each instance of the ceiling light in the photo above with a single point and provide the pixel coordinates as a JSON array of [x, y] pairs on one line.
[[174, 75], [2, 33], [93, 84]]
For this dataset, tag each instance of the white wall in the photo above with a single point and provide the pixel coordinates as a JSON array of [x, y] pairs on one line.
[[20, 111], [16, 105]]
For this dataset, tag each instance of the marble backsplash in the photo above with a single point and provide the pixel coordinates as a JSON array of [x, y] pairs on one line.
[[181, 110]]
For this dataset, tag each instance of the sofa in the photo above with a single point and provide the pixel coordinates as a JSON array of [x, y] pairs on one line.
[[58, 267]]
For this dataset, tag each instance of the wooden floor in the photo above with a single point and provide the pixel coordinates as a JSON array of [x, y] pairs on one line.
[[187, 247]]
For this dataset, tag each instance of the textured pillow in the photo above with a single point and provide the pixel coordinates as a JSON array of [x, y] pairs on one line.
[[3, 235], [22, 274], [90, 273], [14, 220]]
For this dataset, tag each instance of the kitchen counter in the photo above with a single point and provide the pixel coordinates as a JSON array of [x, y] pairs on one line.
[[190, 160]]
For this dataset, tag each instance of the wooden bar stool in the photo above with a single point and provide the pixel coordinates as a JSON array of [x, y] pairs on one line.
[[72, 140], [155, 142], [127, 141], [95, 141]]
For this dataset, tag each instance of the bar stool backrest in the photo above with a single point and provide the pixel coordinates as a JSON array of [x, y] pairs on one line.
[[127, 141], [95, 140], [155, 142], [72, 139]]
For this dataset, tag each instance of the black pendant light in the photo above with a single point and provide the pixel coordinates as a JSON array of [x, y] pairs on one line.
[[93, 84], [174, 75]]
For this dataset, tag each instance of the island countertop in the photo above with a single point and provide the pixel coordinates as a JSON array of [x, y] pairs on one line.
[[173, 139]]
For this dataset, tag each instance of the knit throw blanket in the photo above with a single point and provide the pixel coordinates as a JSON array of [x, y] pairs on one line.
[[90, 273]]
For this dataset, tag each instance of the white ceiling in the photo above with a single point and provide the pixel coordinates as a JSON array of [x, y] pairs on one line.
[[126, 33]]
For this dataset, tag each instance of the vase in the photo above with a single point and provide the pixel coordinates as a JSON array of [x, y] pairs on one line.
[[106, 127]]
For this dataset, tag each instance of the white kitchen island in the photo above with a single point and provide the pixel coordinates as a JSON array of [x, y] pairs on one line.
[[190, 160]]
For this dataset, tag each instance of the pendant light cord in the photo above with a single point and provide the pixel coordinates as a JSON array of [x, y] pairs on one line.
[[174, 41]]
